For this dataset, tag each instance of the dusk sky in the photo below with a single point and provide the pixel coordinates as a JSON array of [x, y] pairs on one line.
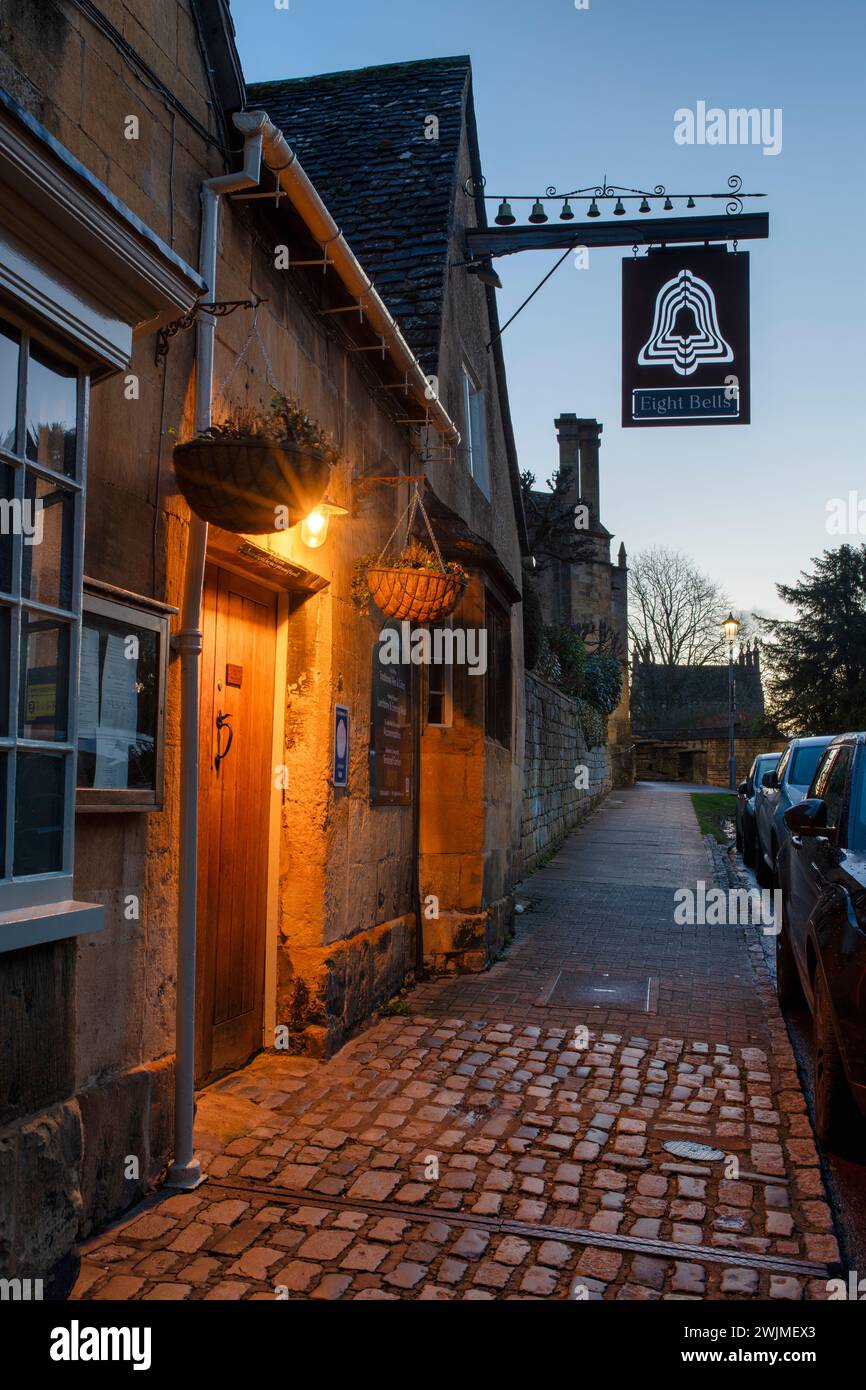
[[567, 96]]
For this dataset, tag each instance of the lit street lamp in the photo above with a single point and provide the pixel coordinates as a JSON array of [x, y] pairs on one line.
[[731, 629]]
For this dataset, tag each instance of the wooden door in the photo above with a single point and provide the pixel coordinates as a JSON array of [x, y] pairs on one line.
[[235, 780]]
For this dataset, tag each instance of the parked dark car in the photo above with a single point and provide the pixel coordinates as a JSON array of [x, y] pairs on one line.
[[780, 790], [821, 947], [745, 815]]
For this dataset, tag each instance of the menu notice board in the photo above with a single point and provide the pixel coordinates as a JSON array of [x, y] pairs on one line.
[[390, 734]]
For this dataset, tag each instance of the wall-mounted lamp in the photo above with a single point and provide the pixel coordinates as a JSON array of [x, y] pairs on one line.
[[314, 528], [485, 272]]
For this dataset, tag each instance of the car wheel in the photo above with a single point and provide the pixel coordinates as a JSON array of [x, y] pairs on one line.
[[749, 850], [762, 873], [789, 989], [833, 1104]]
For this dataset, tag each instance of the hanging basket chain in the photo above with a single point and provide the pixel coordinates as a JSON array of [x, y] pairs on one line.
[[253, 333], [415, 505]]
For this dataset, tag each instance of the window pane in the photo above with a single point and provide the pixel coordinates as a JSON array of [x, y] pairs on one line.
[[805, 764], [835, 793], [5, 648], [43, 696], [9, 524], [479, 441], [9, 353], [46, 562], [118, 695], [4, 768], [52, 391], [39, 779]]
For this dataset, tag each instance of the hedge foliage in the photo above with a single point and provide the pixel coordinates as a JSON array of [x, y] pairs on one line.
[[557, 654], [602, 682]]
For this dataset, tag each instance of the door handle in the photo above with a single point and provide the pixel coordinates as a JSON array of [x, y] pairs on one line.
[[223, 723]]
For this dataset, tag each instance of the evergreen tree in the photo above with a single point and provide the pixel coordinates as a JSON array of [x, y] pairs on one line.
[[817, 662]]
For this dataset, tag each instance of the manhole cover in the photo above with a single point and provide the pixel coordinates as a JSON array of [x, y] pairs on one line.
[[585, 989], [685, 1148]]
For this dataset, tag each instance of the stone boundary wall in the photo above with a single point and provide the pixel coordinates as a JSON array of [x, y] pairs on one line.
[[699, 759], [555, 747]]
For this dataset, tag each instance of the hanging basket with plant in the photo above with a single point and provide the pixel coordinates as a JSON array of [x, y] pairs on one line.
[[416, 586], [256, 470], [240, 472]]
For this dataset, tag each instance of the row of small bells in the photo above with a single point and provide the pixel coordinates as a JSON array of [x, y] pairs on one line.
[[505, 217]]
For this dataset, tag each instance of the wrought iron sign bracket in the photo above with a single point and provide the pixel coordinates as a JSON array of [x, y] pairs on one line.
[[539, 234]]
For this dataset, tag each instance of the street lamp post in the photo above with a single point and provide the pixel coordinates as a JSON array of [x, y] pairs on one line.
[[731, 629]]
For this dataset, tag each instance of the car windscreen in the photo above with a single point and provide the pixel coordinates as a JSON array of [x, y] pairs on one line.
[[805, 764]]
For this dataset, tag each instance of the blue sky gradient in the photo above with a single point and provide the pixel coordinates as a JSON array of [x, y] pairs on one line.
[[567, 96]]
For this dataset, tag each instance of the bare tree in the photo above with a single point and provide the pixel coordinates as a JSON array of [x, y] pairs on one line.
[[675, 611]]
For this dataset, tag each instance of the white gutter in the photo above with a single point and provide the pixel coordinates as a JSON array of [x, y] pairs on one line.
[[262, 142], [286, 167]]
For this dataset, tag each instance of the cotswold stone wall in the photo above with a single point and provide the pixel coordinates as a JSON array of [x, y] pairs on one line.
[[555, 748], [699, 760]]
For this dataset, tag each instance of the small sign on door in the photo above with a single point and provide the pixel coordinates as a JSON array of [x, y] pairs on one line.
[[341, 746]]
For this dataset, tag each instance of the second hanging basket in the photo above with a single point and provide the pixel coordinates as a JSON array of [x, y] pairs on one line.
[[420, 596], [420, 587]]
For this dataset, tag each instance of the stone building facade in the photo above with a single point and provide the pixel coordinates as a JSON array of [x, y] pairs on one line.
[[680, 719], [590, 592], [309, 893]]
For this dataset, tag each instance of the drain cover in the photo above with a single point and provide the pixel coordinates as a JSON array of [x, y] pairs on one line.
[[585, 989], [685, 1148]]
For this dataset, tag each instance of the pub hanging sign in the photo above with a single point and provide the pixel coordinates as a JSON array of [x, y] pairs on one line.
[[685, 338]]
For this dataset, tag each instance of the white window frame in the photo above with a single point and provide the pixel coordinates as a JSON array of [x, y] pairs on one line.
[[40, 907], [85, 273], [475, 429]]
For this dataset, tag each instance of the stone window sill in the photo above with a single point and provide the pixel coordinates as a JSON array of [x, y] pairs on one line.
[[34, 926]]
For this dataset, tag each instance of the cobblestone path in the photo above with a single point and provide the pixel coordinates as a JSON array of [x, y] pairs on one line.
[[508, 1139]]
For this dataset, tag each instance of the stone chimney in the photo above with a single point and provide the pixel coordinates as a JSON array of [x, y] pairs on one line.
[[568, 435], [589, 440], [579, 442]]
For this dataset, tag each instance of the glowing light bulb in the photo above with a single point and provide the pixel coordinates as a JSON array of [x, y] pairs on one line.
[[314, 529]]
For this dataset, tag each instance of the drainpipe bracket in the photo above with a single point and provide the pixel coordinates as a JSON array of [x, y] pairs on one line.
[[187, 643]]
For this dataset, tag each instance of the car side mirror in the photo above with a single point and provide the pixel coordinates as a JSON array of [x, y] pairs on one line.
[[809, 819], [769, 780], [743, 789]]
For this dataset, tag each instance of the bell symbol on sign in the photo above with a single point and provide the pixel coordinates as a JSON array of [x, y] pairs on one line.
[[685, 331]]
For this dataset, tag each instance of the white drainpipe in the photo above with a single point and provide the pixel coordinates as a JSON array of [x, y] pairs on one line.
[[185, 1171], [262, 140]]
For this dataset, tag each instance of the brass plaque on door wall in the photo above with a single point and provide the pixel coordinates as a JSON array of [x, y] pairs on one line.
[[234, 675]]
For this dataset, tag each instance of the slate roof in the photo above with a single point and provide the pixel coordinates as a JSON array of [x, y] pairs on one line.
[[360, 136]]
